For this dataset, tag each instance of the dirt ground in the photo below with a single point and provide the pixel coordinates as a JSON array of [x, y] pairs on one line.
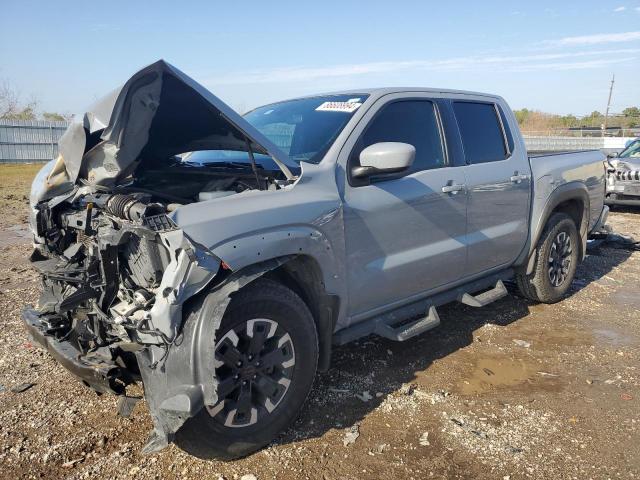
[[513, 390]]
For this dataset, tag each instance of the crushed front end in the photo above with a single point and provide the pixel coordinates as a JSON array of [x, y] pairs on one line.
[[116, 271]]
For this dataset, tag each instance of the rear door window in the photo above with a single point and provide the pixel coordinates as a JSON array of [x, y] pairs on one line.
[[481, 132], [408, 121]]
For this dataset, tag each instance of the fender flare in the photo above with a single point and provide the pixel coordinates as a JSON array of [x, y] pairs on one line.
[[294, 240], [565, 192]]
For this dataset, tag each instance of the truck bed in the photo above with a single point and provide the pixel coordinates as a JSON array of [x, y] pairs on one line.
[[551, 170]]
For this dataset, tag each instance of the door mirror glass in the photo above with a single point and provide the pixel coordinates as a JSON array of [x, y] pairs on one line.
[[384, 158]]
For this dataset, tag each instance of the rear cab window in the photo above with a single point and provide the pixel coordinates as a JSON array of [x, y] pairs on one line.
[[481, 130]]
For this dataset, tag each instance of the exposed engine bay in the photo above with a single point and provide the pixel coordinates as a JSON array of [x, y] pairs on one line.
[[104, 257]]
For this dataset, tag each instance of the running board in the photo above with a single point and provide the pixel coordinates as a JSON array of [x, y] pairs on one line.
[[485, 298], [405, 332]]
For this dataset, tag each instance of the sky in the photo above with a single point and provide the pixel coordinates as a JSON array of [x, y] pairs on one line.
[[554, 56]]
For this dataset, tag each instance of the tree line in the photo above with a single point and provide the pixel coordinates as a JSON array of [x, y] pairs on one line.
[[13, 107], [534, 120]]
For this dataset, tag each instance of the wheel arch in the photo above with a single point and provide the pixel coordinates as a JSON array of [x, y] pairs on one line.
[[304, 276], [572, 199]]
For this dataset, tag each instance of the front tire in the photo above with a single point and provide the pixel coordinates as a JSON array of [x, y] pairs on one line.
[[266, 356], [556, 261]]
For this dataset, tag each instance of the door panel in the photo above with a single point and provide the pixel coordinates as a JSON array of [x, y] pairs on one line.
[[404, 236], [498, 182], [498, 213]]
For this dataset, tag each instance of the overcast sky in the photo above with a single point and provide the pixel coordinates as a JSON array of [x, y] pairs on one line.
[[546, 55]]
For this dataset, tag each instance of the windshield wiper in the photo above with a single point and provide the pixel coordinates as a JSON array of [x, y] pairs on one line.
[[224, 164]]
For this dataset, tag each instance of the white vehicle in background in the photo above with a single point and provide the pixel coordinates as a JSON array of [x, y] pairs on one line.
[[623, 176]]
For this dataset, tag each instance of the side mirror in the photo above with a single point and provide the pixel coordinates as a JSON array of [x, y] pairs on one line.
[[384, 158], [612, 154]]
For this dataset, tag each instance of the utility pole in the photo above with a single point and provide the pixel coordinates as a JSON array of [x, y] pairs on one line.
[[606, 114]]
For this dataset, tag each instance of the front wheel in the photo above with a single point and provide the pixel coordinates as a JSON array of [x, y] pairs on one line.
[[266, 353], [556, 261]]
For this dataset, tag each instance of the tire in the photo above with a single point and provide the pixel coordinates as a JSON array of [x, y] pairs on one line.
[[213, 434], [550, 280]]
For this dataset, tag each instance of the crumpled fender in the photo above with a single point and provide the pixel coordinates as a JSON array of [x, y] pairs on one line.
[[179, 380], [191, 269]]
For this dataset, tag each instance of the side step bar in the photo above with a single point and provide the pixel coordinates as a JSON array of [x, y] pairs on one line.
[[485, 298], [386, 323], [405, 332]]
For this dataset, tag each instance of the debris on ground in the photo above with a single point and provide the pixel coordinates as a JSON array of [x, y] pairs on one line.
[[71, 463], [381, 448], [365, 397], [338, 390], [522, 343], [126, 405], [22, 387], [351, 435], [408, 388], [611, 240], [424, 439]]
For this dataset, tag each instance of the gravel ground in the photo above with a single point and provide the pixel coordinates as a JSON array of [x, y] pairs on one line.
[[514, 390]]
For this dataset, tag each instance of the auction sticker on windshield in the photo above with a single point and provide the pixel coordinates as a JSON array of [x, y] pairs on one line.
[[346, 107]]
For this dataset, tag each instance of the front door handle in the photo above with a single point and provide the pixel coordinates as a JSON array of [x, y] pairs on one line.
[[453, 189], [519, 178]]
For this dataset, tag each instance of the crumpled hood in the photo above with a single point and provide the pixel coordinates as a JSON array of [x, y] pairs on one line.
[[159, 112]]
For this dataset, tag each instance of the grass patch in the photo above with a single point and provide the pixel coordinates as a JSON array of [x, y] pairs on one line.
[[15, 184]]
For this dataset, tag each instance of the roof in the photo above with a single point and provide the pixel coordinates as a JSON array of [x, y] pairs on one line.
[[381, 91]]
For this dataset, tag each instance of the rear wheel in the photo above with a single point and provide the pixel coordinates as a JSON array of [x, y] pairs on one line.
[[266, 353], [556, 261]]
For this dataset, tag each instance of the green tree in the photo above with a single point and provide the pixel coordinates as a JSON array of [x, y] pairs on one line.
[[53, 117], [569, 121], [11, 107], [521, 115], [631, 112], [26, 113]]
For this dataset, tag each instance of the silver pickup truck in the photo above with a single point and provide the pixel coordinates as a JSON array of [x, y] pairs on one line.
[[217, 258]]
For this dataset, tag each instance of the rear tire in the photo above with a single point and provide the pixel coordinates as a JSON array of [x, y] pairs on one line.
[[556, 261], [246, 418]]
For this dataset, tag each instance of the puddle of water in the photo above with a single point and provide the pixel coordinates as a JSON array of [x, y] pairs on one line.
[[494, 373], [612, 337]]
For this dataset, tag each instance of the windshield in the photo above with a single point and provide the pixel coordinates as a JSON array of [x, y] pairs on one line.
[[304, 129], [632, 151]]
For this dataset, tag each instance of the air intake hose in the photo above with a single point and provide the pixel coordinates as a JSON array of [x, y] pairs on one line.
[[125, 206]]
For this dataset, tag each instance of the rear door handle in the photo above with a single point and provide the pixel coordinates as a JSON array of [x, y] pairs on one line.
[[519, 178], [453, 189]]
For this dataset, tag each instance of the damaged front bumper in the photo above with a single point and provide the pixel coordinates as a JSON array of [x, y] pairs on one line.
[[97, 371]]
